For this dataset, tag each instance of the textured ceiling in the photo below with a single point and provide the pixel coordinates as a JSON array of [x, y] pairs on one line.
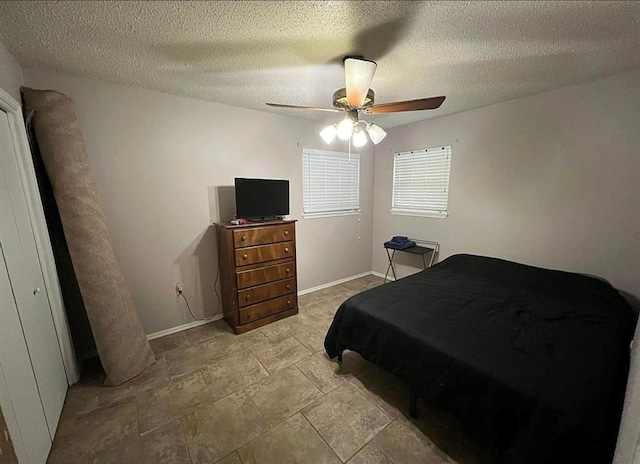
[[248, 53]]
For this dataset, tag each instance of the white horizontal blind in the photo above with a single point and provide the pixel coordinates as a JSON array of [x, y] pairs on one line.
[[421, 180], [330, 181]]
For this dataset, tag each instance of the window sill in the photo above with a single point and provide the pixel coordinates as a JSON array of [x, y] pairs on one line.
[[328, 214], [429, 214]]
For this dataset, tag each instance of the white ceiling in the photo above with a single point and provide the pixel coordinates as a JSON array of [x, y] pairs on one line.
[[248, 53]]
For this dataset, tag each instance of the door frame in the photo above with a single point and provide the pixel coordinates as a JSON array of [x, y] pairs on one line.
[[40, 232]]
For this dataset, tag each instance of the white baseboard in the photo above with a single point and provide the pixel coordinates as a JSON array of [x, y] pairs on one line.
[[180, 328], [191, 325], [331, 284]]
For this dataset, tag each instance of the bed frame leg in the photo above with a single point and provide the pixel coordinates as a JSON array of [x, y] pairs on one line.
[[413, 405], [340, 357]]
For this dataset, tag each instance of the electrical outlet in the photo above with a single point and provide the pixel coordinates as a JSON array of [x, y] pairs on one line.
[[179, 288]]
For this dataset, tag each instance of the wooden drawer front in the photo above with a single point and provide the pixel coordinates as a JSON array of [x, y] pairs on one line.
[[258, 311], [261, 236], [266, 274], [265, 292], [260, 254]]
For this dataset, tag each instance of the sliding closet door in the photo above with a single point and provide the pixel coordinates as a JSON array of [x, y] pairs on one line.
[[27, 287]]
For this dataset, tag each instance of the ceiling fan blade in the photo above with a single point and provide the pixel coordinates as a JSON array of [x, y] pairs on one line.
[[297, 107], [408, 105], [358, 76]]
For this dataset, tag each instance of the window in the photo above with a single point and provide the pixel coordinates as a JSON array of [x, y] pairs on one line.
[[421, 182], [330, 183]]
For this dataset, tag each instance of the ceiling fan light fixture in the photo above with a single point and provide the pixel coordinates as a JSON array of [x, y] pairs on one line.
[[359, 137], [328, 134], [344, 131], [376, 133]]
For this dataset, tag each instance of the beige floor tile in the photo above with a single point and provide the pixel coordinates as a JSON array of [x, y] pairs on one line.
[[403, 445], [352, 286], [165, 445], [193, 357], [310, 336], [315, 318], [372, 280], [327, 309], [232, 458], [179, 397], [280, 330], [306, 300], [369, 454], [346, 420], [282, 394], [101, 425], [126, 450], [229, 374], [384, 389], [203, 332], [168, 342], [327, 374], [153, 376], [292, 442], [96, 434], [277, 355], [80, 400], [219, 428]]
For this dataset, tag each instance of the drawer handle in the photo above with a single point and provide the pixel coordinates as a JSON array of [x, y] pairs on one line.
[[244, 256], [243, 238], [288, 286], [288, 302], [286, 232], [287, 270], [247, 297], [286, 250]]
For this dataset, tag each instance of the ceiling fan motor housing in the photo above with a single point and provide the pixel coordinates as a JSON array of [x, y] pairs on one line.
[[340, 100]]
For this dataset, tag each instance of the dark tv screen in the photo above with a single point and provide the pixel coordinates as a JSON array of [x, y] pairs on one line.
[[261, 198]]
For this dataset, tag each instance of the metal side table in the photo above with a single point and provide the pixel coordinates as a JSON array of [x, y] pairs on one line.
[[429, 248]]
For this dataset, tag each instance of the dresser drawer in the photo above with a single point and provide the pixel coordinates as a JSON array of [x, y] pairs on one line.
[[260, 254], [260, 293], [260, 310], [262, 235], [264, 275]]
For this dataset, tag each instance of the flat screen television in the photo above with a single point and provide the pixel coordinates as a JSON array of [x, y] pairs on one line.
[[261, 198]]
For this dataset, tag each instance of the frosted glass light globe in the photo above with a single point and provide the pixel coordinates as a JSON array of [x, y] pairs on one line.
[[328, 133], [345, 129], [359, 138], [376, 133]]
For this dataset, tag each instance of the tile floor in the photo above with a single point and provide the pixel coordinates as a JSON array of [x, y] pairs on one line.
[[268, 396]]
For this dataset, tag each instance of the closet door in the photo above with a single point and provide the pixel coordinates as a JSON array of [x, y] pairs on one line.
[[31, 304], [19, 394]]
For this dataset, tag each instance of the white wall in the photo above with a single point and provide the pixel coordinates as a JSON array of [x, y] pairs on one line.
[[10, 74], [159, 161], [549, 180]]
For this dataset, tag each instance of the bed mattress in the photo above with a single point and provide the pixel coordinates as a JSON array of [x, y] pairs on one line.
[[534, 360]]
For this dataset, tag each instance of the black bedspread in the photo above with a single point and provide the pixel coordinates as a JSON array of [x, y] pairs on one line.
[[534, 360]]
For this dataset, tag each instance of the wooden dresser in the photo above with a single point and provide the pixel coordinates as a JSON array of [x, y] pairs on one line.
[[257, 272]]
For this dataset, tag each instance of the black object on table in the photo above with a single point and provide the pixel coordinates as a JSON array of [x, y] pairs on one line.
[[414, 250]]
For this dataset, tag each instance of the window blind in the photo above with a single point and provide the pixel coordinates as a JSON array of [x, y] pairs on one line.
[[421, 181], [330, 181]]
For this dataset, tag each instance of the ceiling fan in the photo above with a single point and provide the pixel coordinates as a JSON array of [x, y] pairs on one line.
[[357, 97]]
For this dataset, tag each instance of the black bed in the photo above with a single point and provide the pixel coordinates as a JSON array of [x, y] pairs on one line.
[[534, 360]]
